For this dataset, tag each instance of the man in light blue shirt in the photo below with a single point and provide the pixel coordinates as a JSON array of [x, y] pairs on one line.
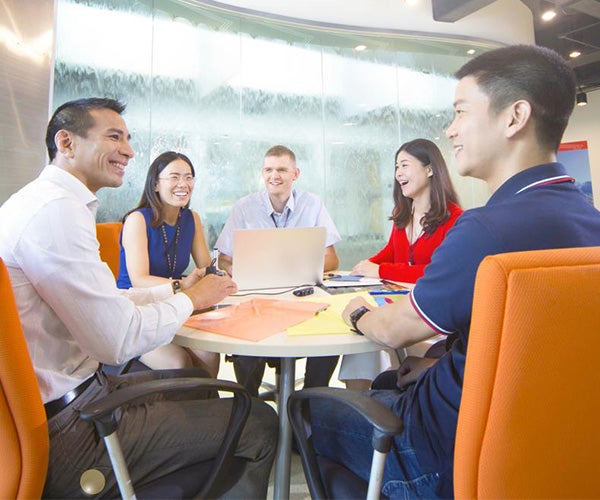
[[279, 206]]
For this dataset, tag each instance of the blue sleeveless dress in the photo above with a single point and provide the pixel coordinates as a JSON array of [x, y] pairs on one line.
[[156, 248]]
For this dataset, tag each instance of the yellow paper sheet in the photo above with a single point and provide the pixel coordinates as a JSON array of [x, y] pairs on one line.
[[329, 322]]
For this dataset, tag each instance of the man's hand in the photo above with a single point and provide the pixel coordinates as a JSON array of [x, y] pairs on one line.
[[353, 305], [210, 290], [411, 368], [366, 268]]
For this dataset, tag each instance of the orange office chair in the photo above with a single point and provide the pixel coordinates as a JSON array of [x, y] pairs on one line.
[[108, 234], [24, 431], [528, 418], [527, 424]]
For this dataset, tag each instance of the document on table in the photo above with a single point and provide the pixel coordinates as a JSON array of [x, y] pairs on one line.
[[256, 319], [329, 321]]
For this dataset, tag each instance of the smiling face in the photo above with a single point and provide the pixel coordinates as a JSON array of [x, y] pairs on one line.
[[279, 173], [175, 184], [412, 176], [99, 159], [477, 133]]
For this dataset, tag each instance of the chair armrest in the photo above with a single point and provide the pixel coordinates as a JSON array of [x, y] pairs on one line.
[[101, 411], [385, 425], [102, 414]]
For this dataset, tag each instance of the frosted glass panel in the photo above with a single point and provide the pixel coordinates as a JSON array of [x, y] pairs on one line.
[[223, 88]]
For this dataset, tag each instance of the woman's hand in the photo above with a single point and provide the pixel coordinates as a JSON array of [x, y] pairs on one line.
[[193, 278], [366, 268]]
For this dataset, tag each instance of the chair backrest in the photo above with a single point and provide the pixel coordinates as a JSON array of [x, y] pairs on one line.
[[23, 427], [108, 236], [527, 425]]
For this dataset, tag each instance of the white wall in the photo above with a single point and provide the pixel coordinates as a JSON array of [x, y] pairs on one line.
[[26, 64], [507, 21], [585, 126]]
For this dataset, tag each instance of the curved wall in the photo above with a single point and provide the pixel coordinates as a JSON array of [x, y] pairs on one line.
[[222, 83]]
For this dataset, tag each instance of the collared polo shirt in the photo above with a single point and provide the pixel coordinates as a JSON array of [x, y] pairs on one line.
[[539, 208]]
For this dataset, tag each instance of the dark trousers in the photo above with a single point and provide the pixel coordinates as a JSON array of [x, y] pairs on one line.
[[164, 434], [249, 371]]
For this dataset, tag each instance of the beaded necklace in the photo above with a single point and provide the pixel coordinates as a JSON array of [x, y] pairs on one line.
[[171, 264]]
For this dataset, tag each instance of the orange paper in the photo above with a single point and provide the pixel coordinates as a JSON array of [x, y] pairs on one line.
[[256, 319]]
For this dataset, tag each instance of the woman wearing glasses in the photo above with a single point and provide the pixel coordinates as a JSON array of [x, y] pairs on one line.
[[158, 237]]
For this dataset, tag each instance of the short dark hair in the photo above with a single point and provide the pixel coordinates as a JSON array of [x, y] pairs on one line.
[[441, 194], [150, 198], [280, 150], [75, 117], [538, 75]]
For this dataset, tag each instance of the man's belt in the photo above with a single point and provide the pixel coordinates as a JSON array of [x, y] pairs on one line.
[[56, 406]]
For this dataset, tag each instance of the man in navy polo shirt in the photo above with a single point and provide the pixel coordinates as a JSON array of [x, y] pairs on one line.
[[512, 106]]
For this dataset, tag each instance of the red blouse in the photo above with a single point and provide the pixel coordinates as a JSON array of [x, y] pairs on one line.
[[393, 258]]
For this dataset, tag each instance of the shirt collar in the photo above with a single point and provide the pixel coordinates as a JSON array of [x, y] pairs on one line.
[[290, 205], [71, 183], [527, 178]]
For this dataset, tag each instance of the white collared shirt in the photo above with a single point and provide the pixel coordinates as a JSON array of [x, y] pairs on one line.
[[72, 313]]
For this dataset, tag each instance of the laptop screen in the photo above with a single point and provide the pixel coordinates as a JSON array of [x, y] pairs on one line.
[[278, 257]]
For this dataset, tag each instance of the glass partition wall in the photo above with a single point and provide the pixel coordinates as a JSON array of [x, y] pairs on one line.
[[223, 87]]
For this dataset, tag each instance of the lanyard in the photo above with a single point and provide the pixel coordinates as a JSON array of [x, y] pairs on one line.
[[171, 264], [285, 221]]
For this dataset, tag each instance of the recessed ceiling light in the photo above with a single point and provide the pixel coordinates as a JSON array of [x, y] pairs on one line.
[[574, 53], [471, 52], [360, 48], [548, 14]]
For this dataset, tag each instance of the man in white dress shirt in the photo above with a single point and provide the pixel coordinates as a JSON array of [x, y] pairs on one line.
[[74, 318]]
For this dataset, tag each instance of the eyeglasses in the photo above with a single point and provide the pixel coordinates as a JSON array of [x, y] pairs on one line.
[[176, 178]]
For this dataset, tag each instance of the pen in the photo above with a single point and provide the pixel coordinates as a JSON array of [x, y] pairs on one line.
[[389, 292]]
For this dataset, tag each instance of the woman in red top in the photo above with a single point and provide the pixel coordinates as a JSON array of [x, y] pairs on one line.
[[426, 207]]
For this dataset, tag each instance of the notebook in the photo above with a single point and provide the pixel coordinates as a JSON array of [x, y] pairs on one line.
[[278, 257]]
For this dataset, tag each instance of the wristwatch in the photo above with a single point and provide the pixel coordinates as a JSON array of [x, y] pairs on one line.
[[176, 284], [356, 315]]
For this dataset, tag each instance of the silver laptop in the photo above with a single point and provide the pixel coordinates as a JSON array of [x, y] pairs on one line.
[[278, 257]]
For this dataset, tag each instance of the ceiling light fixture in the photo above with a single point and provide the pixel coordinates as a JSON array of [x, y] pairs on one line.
[[471, 52], [360, 48], [548, 11], [581, 99], [574, 53]]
